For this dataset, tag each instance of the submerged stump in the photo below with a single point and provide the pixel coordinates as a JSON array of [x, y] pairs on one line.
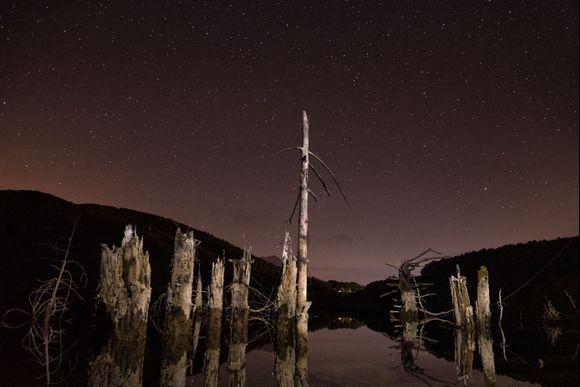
[[214, 325], [178, 314], [125, 291], [125, 285], [239, 320], [462, 309]]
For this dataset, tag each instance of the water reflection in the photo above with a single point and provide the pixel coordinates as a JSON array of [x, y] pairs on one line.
[[120, 363]]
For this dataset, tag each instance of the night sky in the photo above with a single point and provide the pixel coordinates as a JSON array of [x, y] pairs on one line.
[[449, 124]]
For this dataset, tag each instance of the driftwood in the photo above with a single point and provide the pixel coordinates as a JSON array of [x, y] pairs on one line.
[[178, 314], [239, 320], [214, 325]]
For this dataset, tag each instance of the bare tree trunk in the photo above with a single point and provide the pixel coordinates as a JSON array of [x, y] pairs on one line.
[[239, 321], [462, 309], [302, 305], [178, 318], [303, 224], [214, 325], [482, 308]]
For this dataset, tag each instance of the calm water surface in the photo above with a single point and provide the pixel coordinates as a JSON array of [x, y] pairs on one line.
[[356, 357]]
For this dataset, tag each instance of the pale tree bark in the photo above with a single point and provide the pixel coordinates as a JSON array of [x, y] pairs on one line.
[[214, 325], [301, 303]]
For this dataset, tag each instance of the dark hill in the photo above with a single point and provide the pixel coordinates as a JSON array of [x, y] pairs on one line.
[[31, 221]]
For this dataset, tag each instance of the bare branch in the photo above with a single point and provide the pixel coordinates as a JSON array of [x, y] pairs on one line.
[[331, 175], [294, 209], [320, 179], [313, 195], [288, 149]]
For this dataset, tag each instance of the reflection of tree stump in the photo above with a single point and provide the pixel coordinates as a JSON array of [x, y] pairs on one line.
[[214, 325], [408, 344], [464, 349], [197, 317], [487, 357], [120, 363], [285, 367], [301, 374]]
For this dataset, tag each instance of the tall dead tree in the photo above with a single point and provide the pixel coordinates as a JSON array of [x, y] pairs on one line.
[[302, 304], [302, 264]]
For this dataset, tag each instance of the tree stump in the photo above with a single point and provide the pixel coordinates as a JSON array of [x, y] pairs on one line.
[[214, 325], [482, 308]]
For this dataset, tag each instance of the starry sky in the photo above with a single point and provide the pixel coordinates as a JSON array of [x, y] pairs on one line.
[[449, 124]]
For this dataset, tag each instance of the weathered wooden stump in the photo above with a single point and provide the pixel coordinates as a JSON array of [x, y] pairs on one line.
[[178, 314], [482, 309], [125, 290], [239, 320], [214, 325], [462, 309], [125, 285]]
